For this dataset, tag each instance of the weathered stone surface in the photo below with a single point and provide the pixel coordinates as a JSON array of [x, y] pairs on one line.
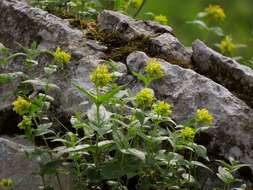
[[187, 91], [226, 71], [162, 41], [16, 166], [128, 28], [24, 24], [169, 47]]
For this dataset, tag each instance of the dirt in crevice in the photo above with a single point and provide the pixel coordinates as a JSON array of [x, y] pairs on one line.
[[119, 49]]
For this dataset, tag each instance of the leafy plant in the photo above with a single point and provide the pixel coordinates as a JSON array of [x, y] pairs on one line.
[[125, 140]]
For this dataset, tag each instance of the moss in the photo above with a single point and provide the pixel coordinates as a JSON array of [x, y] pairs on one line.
[[118, 49]]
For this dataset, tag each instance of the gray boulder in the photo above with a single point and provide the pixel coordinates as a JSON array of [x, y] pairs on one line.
[[161, 39], [236, 77], [128, 28], [20, 23], [187, 91], [23, 171]]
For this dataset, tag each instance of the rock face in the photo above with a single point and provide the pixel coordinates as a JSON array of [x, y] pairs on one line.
[[236, 77], [162, 41], [23, 24], [20, 23], [187, 91], [16, 166], [128, 28]]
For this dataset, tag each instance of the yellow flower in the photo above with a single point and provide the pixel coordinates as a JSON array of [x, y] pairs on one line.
[[153, 69], [161, 19], [25, 123], [136, 3], [6, 183], [21, 105], [215, 12], [227, 46], [203, 116], [61, 57], [101, 76], [162, 108], [188, 133], [145, 97]]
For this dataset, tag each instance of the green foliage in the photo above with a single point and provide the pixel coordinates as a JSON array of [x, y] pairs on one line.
[[118, 140]]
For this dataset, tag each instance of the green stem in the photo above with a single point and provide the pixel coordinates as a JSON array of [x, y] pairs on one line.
[[98, 126], [139, 10]]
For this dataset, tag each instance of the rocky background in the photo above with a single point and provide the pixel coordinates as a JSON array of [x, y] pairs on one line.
[[195, 77]]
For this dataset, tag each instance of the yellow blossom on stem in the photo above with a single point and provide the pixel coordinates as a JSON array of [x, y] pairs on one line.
[[61, 57], [101, 76], [144, 97], [25, 123], [162, 108], [161, 19], [153, 69], [203, 117], [215, 12], [6, 183], [21, 105], [188, 133], [227, 46]]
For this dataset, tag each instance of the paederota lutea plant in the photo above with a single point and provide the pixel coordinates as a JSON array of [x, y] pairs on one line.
[[126, 140]]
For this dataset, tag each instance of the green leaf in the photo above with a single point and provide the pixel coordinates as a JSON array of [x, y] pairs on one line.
[[135, 152], [199, 164], [51, 167], [217, 30], [102, 99], [104, 115], [40, 83], [62, 149], [140, 116], [141, 77], [225, 175], [202, 25], [7, 77], [86, 93], [120, 139], [201, 151], [43, 129]]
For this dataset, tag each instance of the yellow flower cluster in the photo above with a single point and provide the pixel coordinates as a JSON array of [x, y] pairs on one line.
[[61, 57], [188, 133], [226, 46], [215, 12], [136, 3], [162, 108], [153, 69], [145, 97], [5, 183], [161, 19], [25, 123], [21, 105], [101, 76], [203, 116]]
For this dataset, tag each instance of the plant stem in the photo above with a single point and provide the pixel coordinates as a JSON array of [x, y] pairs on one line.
[[139, 10]]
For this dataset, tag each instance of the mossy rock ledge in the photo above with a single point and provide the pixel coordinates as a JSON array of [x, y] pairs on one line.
[[195, 78]]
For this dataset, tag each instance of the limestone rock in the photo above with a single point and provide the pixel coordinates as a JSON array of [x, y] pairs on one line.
[[169, 47], [226, 71], [187, 91], [23, 24], [162, 41], [128, 28], [23, 171]]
